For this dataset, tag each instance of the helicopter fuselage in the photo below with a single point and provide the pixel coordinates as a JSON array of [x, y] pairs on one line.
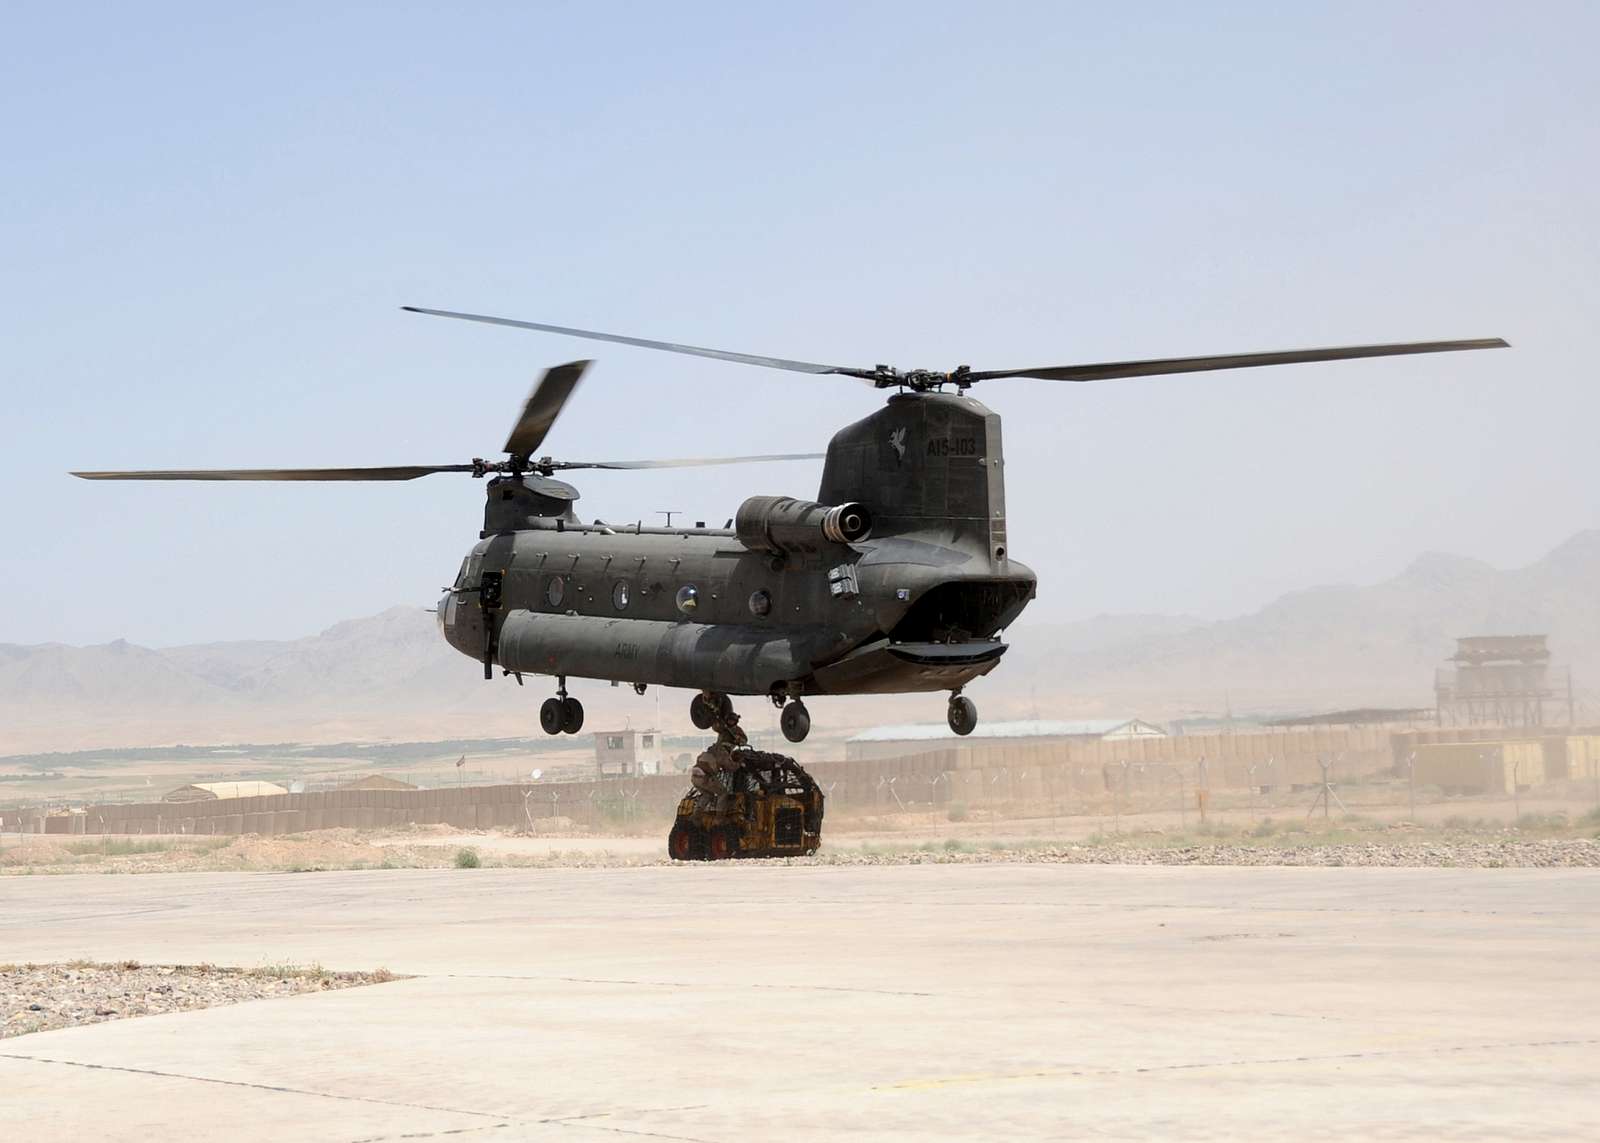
[[776, 605]]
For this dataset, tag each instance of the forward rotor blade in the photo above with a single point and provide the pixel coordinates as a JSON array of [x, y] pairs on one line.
[[403, 472], [668, 346], [1110, 370], [686, 462], [544, 405]]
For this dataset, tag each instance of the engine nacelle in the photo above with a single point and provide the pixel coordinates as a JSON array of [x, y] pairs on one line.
[[780, 524]]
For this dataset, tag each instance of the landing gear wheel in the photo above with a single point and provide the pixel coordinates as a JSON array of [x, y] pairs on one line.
[[723, 844], [571, 716], [963, 715], [682, 843], [795, 721], [706, 710], [550, 716]]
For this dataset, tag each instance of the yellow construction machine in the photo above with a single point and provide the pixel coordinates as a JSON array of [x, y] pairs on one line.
[[764, 805]]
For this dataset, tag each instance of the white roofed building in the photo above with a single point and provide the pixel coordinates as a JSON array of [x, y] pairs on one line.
[[218, 791], [913, 738]]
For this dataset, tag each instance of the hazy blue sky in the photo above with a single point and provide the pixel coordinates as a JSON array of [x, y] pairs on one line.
[[210, 214]]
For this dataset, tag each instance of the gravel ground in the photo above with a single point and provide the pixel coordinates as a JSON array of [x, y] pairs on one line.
[[1490, 853], [38, 997]]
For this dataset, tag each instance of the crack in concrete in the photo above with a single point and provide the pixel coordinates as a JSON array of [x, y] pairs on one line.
[[503, 1120], [431, 1134], [278, 1088]]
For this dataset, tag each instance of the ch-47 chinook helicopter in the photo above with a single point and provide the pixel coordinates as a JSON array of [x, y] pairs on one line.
[[897, 578]]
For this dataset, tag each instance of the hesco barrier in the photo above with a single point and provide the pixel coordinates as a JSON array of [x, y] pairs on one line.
[[1024, 771], [463, 807], [1465, 757], [1070, 776], [1480, 767]]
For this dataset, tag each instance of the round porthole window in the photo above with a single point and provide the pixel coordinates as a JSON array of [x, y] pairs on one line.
[[760, 603], [619, 594], [556, 590], [688, 598]]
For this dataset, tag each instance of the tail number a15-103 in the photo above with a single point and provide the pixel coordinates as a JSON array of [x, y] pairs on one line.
[[952, 446]]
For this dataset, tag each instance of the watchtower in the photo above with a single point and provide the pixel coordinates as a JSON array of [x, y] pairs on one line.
[[1501, 680]]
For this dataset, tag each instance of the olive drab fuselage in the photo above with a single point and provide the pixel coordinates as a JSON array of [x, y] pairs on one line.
[[777, 605]]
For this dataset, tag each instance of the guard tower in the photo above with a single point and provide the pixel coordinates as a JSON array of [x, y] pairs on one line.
[[1496, 680]]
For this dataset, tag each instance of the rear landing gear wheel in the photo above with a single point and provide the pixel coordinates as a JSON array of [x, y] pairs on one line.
[[795, 721], [550, 716], [706, 709], [963, 715], [571, 716]]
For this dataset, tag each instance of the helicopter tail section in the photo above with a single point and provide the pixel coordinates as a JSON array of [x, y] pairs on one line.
[[925, 462]]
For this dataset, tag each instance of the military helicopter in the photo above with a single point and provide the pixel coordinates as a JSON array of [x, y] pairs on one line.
[[898, 577]]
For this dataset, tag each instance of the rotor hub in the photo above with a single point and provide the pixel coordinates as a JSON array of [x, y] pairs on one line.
[[921, 380]]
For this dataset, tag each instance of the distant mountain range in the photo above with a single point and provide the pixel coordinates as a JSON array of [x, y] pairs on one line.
[[1330, 646], [390, 676]]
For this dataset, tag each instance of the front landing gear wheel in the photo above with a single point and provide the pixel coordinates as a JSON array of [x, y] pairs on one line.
[[795, 721], [571, 716], [682, 843], [550, 716], [963, 715]]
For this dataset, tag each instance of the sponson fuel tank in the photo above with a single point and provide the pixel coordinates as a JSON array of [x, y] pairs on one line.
[[733, 658]]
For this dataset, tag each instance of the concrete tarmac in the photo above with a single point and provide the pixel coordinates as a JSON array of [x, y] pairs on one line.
[[758, 1001]]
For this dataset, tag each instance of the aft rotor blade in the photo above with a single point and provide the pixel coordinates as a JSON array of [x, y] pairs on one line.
[[686, 462], [402, 472], [1110, 370], [544, 405], [668, 346]]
